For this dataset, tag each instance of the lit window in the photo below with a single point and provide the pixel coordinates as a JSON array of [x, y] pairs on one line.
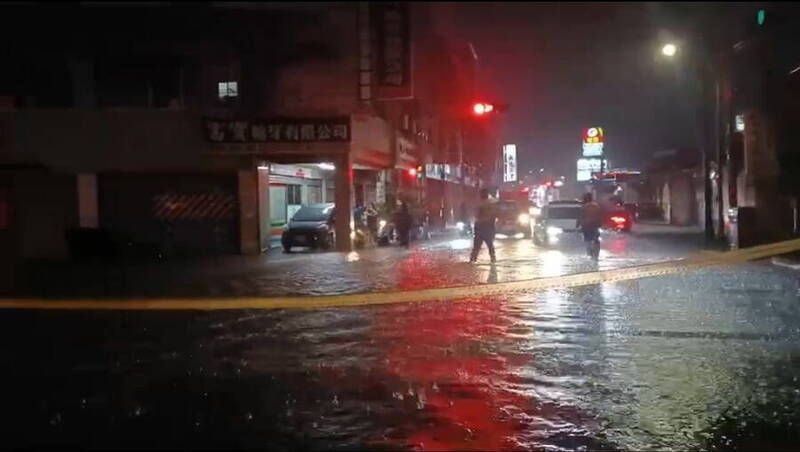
[[227, 89]]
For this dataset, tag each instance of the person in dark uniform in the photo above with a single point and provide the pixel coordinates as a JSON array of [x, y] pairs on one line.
[[484, 227], [404, 222], [372, 219]]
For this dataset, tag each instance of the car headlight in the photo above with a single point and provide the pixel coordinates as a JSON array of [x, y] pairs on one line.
[[552, 230], [460, 225], [524, 218]]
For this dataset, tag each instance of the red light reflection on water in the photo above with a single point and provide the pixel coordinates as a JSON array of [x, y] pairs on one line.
[[450, 353]]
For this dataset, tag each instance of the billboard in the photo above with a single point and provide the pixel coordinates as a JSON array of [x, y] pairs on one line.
[[587, 166], [510, 163], [593, 140]]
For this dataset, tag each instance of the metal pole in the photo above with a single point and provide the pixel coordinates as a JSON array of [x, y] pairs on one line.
[[702, 123], [720, 182]]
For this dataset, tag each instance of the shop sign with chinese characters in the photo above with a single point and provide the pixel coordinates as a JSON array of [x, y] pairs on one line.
[[278, 130]]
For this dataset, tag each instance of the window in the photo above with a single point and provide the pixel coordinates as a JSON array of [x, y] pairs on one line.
[[563, 213], [309, 213], [294, 195], [150, 81], [227, 90]]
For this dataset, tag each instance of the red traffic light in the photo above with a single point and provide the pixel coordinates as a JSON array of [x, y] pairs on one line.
[[482, 108]]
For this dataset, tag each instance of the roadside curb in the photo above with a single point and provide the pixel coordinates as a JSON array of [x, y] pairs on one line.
[[441, 294], [783, 262]]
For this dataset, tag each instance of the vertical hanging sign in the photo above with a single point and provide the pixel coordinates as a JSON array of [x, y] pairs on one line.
[[392, 27], [510, 163]]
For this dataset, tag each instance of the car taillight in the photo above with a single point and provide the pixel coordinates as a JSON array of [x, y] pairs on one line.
[[618, 220]]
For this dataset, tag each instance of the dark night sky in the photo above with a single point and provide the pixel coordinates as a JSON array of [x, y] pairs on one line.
[[567, 66]]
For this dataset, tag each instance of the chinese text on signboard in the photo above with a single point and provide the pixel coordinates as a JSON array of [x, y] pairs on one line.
[[509, 163], [588, 166], [278, 131]]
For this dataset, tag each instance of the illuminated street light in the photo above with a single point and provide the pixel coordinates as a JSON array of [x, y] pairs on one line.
[[669, 50]]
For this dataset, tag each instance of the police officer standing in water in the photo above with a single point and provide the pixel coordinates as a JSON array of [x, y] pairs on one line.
[[485, 218]]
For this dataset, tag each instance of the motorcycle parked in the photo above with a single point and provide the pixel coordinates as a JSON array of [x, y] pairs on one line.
[[388, 235]]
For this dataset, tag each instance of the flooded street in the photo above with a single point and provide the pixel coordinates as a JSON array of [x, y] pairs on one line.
[[251, 226], [707, 359]]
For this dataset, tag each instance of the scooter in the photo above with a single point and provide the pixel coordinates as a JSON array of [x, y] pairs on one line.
[[388, 235]]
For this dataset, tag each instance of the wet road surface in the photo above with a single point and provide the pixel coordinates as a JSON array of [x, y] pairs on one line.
[[708, 359], [438, 263]]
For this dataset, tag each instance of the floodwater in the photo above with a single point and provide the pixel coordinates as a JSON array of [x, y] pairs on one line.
[[708, 359]]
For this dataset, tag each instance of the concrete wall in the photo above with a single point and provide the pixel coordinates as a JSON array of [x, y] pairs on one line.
[[681, 202], [371, 141], [44, 207], [105, 140], [323, 83], [249, 220], [760, 186]]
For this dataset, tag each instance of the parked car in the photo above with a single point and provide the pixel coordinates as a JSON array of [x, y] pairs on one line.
[[311, 226], [556, 220]]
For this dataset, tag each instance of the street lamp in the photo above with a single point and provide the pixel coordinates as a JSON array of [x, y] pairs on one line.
[[669, 50]]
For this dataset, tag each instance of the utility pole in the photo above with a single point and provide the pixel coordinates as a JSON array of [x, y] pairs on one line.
[[704, 70]]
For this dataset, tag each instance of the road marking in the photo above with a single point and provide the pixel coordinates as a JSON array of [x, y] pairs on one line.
[[455, 293]]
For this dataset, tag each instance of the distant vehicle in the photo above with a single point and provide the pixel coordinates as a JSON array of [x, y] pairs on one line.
[[513, 218], [311, 226], [555, 220], [619, 218]]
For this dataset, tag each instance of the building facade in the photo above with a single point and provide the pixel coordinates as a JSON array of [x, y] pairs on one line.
[[185, 129], [752, 114]]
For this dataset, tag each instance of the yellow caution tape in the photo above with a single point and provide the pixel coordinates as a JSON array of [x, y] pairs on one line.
[[699, 260]]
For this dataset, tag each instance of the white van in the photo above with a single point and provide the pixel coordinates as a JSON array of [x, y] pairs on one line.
[[555, 220]]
